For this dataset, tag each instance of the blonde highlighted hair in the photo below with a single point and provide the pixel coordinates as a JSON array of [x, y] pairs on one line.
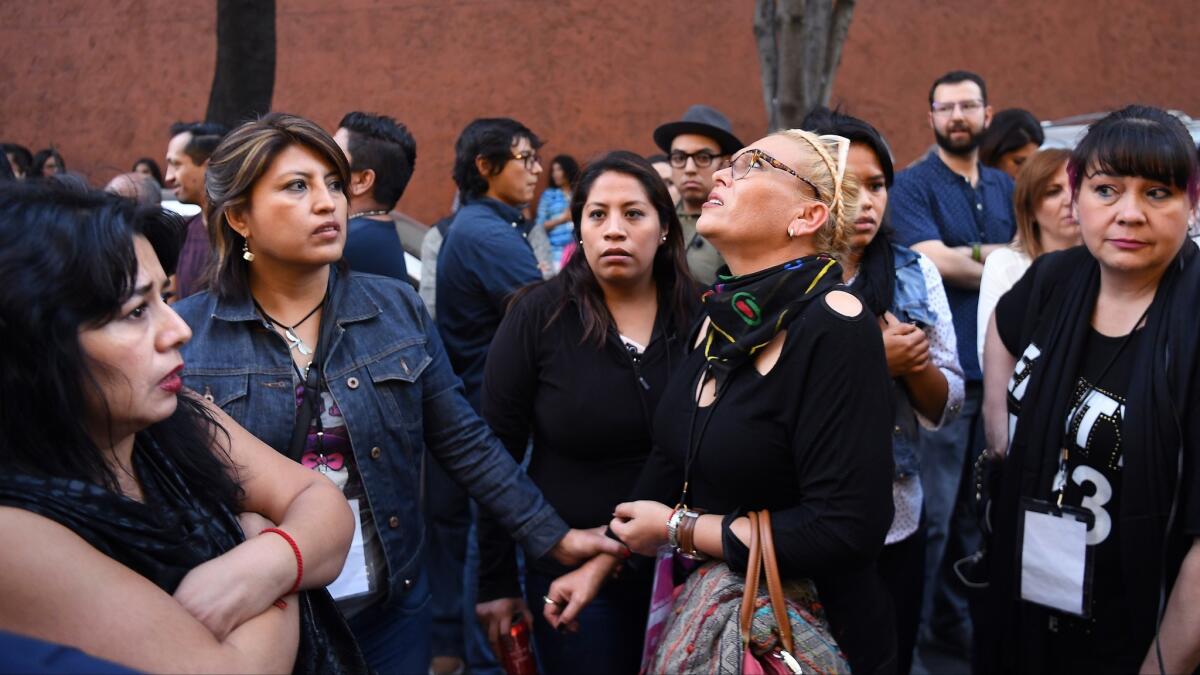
[[825, 165], [235, 166]]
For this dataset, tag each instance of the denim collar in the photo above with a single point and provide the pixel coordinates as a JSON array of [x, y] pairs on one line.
[[356, 304]]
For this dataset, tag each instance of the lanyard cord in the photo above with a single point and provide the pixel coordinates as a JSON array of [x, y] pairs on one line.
[[694, 440], [1060, 478]]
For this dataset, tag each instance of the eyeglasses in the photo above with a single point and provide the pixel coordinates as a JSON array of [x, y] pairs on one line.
[[755, 159], [529, 157], [969, 107], [702, 158]]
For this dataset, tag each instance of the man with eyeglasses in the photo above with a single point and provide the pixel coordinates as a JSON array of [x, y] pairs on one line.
[[486, 255], [697, 146], [955, 211]]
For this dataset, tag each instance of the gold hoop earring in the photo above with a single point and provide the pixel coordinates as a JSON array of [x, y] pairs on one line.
[[246, 254]]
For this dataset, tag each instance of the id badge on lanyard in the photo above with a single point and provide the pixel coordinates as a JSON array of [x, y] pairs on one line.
[[1056, 561]]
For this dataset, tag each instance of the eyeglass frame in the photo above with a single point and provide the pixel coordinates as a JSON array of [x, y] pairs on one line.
[[695, 157], [771, 161], [937, 107], [529, 158]]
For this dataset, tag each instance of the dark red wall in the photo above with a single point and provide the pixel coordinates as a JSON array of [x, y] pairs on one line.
[[103, 80]]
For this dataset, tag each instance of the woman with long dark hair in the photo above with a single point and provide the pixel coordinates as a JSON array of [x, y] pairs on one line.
[[782, 402], [1096, 560], [120, 489], [903, 289], [346, 374], [579, 363]]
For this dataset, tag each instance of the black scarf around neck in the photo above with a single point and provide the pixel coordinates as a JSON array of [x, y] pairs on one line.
[[1058, 321], [746, 311], [167, 535], [876, 277]]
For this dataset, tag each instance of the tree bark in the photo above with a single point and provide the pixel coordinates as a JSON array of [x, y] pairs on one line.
[[768, 58], [244, 78], [799, 47]]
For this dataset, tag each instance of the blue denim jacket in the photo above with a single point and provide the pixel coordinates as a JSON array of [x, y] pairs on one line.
[[389, 375], [910, 303]]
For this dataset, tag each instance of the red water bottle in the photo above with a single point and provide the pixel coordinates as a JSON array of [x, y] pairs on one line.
[[515, 650]]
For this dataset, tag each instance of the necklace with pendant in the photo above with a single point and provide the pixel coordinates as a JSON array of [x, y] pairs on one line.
[[289, 332], [368, 214]]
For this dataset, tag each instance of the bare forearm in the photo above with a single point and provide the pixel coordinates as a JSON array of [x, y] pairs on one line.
[[321, 522], [955, 264], [928, 390], [708, 534], [1180, 634], [998, 365], [266, 643]]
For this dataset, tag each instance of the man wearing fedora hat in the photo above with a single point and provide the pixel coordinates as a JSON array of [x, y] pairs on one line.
[[697, 146]]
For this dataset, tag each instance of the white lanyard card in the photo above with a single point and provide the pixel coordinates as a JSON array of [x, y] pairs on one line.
[[1056, 562]]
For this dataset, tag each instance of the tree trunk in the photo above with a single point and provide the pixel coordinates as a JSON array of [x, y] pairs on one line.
[[799, 48], [244, 79]]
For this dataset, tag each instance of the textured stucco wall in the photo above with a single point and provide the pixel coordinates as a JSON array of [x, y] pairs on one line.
[[103, 80]]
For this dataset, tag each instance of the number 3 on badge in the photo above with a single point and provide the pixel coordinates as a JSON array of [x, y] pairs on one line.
[[1082, 475]]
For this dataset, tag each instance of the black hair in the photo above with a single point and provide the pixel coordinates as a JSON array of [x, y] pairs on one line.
[[676, 289], [822, 120], [385, 146], [1010, 130], [39, 161], [1138, 140], [956, 76], [150, 164], [657, 158], [570, 169], [206, 136], [492, 139], [68, 263], [21, 154]]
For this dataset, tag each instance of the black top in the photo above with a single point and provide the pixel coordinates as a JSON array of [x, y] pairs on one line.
[[810, 441], [1093, 479], [587, 408]]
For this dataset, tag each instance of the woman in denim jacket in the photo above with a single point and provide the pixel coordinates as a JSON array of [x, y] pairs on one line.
[[346, 374], [904, 289]]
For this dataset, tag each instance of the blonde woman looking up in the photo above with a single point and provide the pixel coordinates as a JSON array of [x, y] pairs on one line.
[[789, 358]]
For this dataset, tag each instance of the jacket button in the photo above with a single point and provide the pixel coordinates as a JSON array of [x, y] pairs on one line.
[[394, 522], [376, 452], [897, 428], [352, 382], [408, 584]]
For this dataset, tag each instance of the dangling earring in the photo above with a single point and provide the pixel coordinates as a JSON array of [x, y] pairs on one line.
[[246, 254]]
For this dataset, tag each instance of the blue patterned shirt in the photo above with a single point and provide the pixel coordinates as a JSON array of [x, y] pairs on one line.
[[930, 202]]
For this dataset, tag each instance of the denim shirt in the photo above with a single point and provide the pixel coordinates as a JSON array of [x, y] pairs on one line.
[[388, 373], [910, 303]]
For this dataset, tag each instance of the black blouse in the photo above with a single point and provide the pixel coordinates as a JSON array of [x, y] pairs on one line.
[[811, 441], [588, 409]]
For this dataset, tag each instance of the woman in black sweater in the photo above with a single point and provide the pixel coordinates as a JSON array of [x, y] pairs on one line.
[[579, 363], [783, 401]]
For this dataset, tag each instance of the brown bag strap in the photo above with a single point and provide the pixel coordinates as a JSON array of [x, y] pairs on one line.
[[753, 570], [774, 584]]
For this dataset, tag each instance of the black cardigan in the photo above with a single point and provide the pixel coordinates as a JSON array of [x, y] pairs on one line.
[[587, 407]]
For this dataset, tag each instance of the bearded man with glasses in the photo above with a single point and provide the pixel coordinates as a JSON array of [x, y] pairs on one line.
[[697, 146], [955, 211]]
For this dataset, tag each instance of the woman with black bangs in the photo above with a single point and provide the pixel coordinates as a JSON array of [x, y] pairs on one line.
[[579, 363], [119, 489], [1097, 518]]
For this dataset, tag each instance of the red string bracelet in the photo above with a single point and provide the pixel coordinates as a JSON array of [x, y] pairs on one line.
[[280, 603]]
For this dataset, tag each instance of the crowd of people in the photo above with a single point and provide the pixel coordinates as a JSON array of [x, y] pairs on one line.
[[252, 438]]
